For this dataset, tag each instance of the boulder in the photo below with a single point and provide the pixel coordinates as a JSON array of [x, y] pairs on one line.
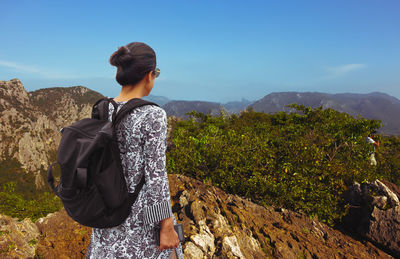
[[18, 239], [61, 237], [374, 214], [221, 225]]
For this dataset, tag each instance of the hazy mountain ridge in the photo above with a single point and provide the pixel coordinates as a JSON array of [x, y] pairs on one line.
[[370, 106], [160, 100], [374, 105], [236, 106], [180, 108]]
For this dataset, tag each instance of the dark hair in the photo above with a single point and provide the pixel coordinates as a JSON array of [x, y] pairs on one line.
[[133, 62]]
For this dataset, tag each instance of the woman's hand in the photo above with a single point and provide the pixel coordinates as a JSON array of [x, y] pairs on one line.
[[168, 237]]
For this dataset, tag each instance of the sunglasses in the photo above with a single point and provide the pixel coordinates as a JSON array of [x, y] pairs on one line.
[[156, 72]]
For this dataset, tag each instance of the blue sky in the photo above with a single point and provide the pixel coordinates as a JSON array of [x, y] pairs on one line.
[[207, 50]]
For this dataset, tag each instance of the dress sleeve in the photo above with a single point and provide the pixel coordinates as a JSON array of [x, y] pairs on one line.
[[157, 194]]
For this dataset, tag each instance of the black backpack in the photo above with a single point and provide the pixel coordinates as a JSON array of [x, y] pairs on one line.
[[92, 185]]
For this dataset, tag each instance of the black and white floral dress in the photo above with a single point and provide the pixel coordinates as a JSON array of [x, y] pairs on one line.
[[142, 142]]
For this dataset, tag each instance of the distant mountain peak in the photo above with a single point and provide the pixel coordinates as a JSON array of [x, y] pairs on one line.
[[180, 108], [29, 131], [375, 105], [13, 90]]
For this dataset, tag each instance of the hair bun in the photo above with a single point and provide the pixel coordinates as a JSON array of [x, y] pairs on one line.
[[121, 57], [133, 62]]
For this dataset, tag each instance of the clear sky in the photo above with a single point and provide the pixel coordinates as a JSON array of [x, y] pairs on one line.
[[219, 50]]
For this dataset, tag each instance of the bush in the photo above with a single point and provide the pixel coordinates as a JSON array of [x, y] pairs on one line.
[[19, 197], [301, 161], [14, 204]]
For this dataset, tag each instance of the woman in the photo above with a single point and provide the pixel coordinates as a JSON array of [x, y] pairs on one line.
[[142, 139]]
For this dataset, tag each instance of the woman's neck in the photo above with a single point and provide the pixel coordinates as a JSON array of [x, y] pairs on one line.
[[128, 92]]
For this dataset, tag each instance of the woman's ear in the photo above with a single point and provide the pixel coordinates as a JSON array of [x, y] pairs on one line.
[[149, 76]]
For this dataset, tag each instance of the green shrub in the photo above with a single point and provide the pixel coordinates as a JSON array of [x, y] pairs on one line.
[[14, 204], [19, 197], [301, 161]]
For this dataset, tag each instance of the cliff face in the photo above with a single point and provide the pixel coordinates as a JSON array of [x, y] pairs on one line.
[[30, 122], [216, 224]]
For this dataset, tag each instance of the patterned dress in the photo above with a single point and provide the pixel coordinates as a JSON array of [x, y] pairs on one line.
[[142, 142]]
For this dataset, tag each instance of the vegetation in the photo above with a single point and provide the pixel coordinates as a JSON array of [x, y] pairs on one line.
[[19, 197], [301, 161], [46, 99], [14, 204]]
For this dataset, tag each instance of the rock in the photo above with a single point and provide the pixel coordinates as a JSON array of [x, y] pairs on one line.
[[393, 187], [384, 229], [216, 225], [14, 88], [374, 213], [204, 239], [220, 225], [191, 251], [61, 237], [379, 201], [18, 239], [354, 195], [392, 198], [231, 248]]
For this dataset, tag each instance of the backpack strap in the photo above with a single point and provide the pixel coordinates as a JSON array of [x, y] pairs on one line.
[[50, 177], [115, 109], [100, 108], [127, 108], [100, 111], [117, 118]]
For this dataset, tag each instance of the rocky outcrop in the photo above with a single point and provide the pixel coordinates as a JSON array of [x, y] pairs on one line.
[[216, 224], [18, 239], [219, 225], [25, 133], [61, 237], [30, 122], [374, 213]]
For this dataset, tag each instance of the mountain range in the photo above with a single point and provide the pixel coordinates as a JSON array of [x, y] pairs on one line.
[[179, 108], [30, 121], [370, 106], [374, 105]]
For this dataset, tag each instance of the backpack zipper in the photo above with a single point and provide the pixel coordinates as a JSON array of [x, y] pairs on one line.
[[79, 131]]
